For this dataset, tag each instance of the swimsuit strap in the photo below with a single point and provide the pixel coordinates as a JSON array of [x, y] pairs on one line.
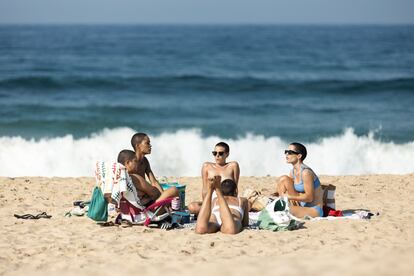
[[293, 174], [316, 182], [304, 167]]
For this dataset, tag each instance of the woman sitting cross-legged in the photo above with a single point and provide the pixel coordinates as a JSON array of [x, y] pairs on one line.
[[302, 185], [226, 212]]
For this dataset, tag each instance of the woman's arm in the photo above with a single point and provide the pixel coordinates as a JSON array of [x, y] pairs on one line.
[[236, 172], [308, 195], [204, 176]]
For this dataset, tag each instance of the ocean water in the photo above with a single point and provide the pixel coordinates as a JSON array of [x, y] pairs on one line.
[[72, 94]]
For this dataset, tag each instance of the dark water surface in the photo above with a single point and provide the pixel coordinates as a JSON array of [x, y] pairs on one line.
[[293, 82]]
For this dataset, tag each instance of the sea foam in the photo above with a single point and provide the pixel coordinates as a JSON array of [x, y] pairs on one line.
[[183, 152]]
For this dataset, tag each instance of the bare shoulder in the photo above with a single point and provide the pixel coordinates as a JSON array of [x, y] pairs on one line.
[[146, 165], [207, 165], [233, 164], [145, 161], [307, 173]]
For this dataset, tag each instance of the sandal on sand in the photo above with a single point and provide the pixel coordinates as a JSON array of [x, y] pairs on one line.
[[122, 222], [108, 224], [125, 223], [30, 216]]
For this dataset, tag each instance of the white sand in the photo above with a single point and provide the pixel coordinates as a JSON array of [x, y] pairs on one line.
[[383, 245]]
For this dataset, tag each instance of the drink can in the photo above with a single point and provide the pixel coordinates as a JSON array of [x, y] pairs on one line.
[[176, 203]]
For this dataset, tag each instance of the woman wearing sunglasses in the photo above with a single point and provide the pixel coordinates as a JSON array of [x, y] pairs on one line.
[[302, 185], [222, 168]]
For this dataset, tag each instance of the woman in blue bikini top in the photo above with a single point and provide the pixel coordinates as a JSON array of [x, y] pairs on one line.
[[302, 185]]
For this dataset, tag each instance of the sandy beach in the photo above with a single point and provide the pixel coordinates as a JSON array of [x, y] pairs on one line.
[[383, 245]]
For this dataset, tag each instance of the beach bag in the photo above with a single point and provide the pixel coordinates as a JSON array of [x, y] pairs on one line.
[[98, 208], [257, 201], [279, 211], [276, 217], [180, 217], [329, 196]]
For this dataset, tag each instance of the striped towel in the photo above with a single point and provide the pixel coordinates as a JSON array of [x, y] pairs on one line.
[[113, 179]]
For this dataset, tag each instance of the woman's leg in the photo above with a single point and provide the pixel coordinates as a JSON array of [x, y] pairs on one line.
[[301, 212], [204, 225], [282, 184], [290, 187], [286, 186], [228, 226]]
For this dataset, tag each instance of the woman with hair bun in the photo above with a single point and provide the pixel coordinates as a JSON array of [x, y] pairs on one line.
[[301, 185]]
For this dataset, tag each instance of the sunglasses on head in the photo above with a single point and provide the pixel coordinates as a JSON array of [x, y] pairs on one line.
[[220, 153], [289, 152]]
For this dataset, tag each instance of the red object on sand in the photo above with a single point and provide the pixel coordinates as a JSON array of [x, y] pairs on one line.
[[335, 213]]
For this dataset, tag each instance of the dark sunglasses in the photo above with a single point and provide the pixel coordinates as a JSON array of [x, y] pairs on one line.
[[220, 153], [289, 152]]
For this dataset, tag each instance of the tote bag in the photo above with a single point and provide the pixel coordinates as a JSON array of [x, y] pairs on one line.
[[98, 208]]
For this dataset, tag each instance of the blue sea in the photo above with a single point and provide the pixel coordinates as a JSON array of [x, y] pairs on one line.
[[73, 94]]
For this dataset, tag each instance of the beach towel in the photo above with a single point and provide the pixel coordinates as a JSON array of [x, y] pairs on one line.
[[116, 186], [113, 179], [347, 214]]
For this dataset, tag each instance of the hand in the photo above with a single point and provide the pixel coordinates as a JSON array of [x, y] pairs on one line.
[[217, 182], [210, 183]]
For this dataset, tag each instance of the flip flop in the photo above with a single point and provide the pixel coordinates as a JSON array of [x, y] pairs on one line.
[[108, 224], [81, 203], [126, 223], [30, 216], [122, 222]]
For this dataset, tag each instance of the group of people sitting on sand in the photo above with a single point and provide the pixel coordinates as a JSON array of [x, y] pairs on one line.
[[220, 208]]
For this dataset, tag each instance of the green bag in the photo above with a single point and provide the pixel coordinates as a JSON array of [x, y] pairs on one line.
[[98, 208]]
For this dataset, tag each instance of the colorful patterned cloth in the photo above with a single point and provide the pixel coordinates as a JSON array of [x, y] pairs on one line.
[[113, 179]]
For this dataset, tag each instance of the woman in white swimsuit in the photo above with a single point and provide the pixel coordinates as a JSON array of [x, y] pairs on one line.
[[226, 213], [227, 170]]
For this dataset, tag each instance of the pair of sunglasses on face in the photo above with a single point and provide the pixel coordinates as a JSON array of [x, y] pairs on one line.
[[219, 153], [290, 152]]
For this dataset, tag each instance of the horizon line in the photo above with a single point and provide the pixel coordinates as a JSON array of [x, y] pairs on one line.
[[208, 24]]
